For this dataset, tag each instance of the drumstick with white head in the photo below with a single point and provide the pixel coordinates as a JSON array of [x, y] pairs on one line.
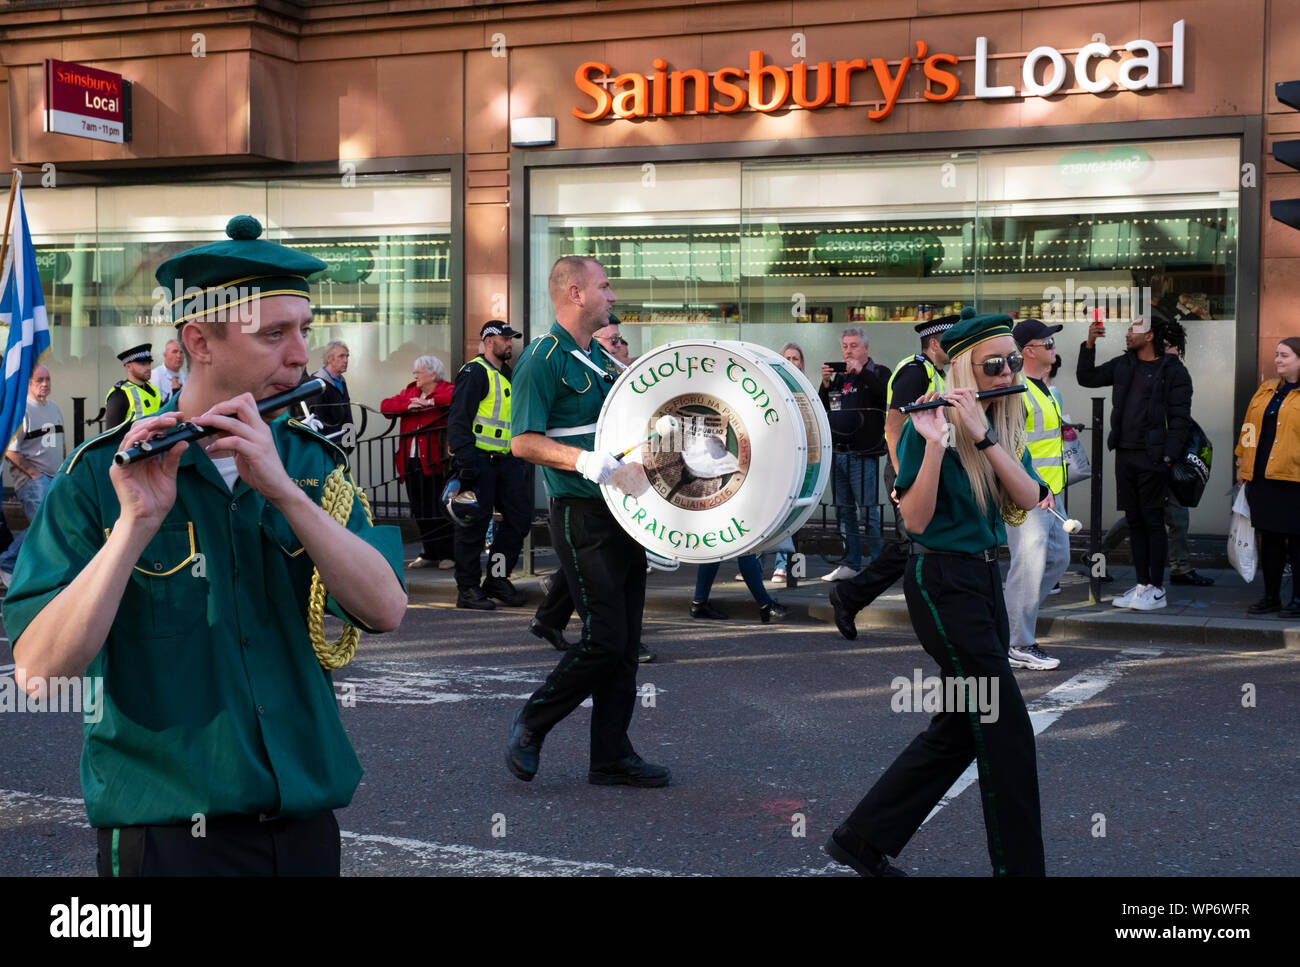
[[666, 425], [1071, 526]]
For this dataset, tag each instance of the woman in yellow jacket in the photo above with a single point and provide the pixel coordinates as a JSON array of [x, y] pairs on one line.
[[1268, 460]]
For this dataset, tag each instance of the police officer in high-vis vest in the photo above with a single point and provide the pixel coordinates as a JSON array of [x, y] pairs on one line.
[[478, 433], [912, 378], [1040, 548], [181, 586], [135, 396]]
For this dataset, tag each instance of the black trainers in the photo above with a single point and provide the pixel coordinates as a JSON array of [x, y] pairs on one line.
[[644, 655], [774, 609], [632, 771], [474, 598], [505, 592], [1192, 578], [524, 750], [1265, 605], [843, 617], [702, 609], [847, 847]]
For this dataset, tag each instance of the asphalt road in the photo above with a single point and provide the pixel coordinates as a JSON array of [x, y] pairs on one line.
[[1149, 761]]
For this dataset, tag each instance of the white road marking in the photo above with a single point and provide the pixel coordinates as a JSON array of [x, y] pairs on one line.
[[363, 853], [369, 853], [1046, 710]]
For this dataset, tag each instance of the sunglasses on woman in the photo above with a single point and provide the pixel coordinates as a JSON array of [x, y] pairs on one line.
[[993, 365]]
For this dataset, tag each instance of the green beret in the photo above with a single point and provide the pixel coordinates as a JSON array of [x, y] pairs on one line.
[[234, 272], [972, 330]]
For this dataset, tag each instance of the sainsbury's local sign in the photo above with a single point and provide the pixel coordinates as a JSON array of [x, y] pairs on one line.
[[87, 102], [768, 87]]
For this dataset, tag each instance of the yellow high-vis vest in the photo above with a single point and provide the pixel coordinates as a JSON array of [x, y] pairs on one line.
[[492, 421], [936, 384], [1043, 428], [141, 401]]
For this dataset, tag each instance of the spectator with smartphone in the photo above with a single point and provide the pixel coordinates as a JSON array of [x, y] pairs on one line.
[[854, 392], [1149, 423]]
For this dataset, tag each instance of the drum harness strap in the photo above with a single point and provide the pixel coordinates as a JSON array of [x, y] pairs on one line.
[[336, 499], [580, 356]]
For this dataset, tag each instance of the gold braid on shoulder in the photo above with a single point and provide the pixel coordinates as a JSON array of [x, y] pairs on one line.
[[1012, 514], [336, 499]]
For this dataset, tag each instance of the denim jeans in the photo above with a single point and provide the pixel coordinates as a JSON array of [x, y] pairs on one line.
[[854, 478], [30, 493]]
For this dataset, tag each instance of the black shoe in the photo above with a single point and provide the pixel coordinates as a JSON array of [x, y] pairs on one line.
[[1265, 605], [505, 592], [644, 655], [1191, 577], [702, 609], [843, 617], [1292, 610], [523, 750], [474, 598], [773, 610], [632, 771], [846, 847], [550, 635]]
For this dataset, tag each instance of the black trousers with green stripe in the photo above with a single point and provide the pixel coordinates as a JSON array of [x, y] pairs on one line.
[[605, 571], [959, 614]]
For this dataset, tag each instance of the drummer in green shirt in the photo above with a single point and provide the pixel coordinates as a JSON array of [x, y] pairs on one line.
[[178, 585], [559, 387], [962, 470]]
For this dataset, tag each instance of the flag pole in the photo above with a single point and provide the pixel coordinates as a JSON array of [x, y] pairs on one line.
[[4, 241]]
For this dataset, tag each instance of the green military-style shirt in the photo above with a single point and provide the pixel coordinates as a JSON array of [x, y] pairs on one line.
[[957, 524], [558, 395], [212, 698]]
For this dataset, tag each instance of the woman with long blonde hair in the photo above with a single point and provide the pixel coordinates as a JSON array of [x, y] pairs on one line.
[[962, 470]]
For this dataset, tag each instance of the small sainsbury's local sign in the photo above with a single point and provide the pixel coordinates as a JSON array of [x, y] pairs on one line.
[[769, 87], [87, 102]]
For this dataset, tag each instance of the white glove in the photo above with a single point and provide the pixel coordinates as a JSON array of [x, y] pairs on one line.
[[597, 466]]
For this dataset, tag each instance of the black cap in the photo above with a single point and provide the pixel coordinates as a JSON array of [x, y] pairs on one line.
[[136, 354], [495, 327], [1027, 330]]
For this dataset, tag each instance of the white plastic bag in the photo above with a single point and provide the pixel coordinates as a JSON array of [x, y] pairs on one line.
[[1077, 466], [1241, 539]]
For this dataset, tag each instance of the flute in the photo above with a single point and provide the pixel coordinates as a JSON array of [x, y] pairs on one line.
[[986, 395], [188, 432]]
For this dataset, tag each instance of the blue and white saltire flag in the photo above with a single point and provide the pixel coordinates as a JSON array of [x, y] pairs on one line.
[[22, 309]]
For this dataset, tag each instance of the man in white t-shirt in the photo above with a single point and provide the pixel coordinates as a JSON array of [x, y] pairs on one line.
[[170, 376], [34, 456]]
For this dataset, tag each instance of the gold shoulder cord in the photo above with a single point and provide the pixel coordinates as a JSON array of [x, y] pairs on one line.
[[1012, 514], [336, 499]]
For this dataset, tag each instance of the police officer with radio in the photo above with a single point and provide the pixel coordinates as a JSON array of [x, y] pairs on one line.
[[478, 433], [133, 397]]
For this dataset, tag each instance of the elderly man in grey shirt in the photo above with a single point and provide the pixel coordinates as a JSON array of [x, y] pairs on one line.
[[34, 457]]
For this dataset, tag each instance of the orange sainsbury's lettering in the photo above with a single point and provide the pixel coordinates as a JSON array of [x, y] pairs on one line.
[[728, 89], [581, 77], [759, 86], [935, 73]]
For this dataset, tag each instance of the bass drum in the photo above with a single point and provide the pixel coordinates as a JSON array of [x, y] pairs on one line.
[[743, 470]]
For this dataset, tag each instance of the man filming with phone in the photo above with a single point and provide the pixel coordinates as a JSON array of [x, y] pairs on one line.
[[853, 392]]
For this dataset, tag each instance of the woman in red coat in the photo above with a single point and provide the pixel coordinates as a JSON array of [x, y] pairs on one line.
[[423, 407]]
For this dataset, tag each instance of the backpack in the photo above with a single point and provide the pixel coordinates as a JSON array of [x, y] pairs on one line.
[[1190, 473]]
